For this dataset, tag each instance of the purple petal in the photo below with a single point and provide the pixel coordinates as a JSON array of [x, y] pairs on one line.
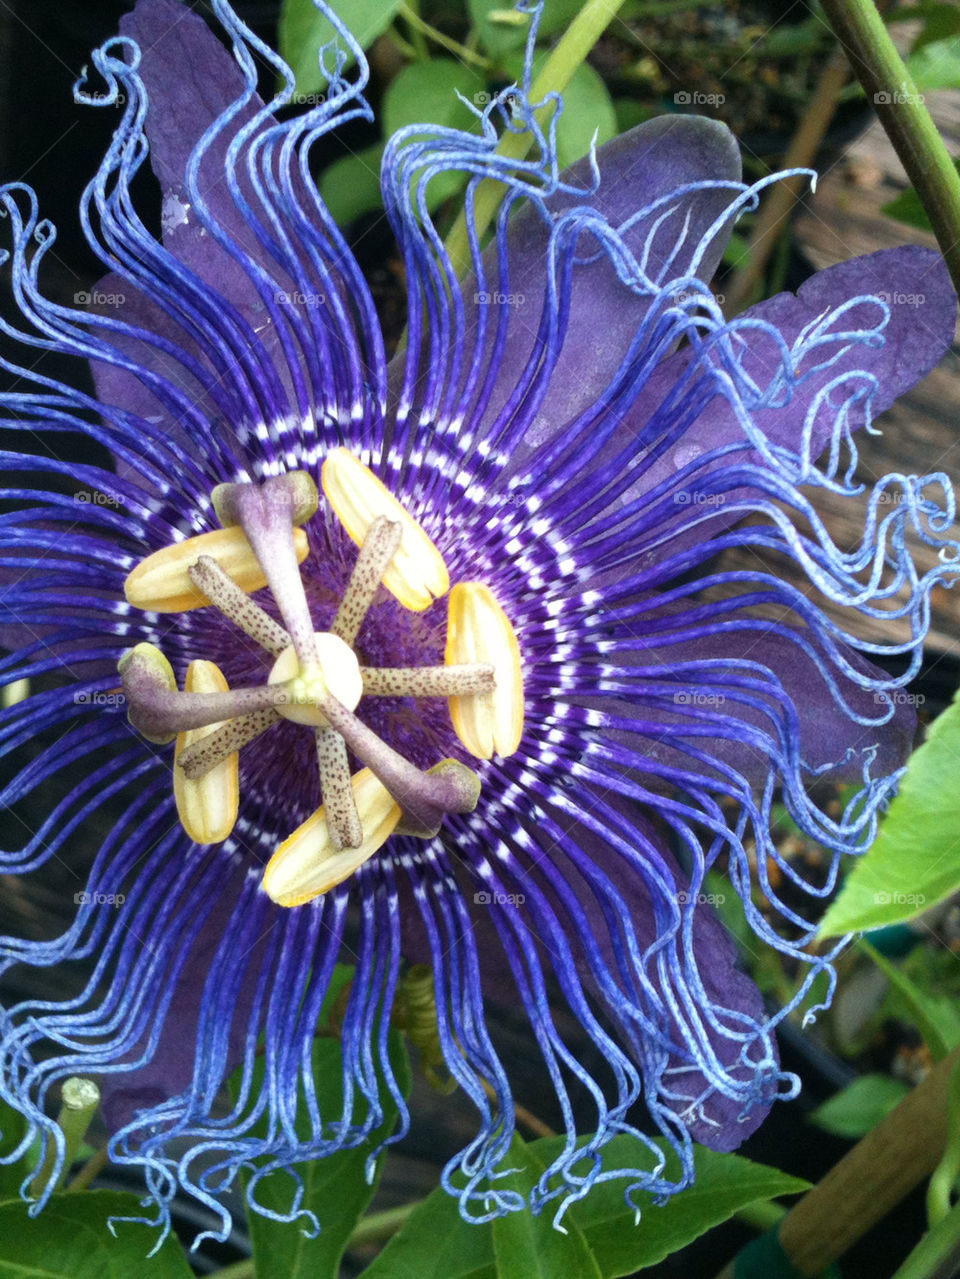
[[712, 1117], [915, 340], [636, 169], [720, 1121], [827, 737], [117, 386], [723, 1123], [191, 80], [171, 1068]]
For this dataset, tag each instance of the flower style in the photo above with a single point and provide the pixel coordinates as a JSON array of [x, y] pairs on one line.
[[430, 658]]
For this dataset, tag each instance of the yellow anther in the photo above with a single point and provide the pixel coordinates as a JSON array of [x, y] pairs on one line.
[[207, 806], [306, 864], [417, 574], [161, 583], [478, 630], [337, 671]]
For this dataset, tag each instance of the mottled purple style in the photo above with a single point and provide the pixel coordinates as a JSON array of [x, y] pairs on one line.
[[579, 427]]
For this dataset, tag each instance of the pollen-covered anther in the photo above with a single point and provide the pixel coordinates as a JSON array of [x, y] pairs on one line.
[[336, 670], [207, 806], [308, 864], [417, 574], [161, 583], [479, 632]]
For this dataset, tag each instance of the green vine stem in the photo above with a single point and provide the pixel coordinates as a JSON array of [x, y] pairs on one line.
[[937, 1252], [944, 1178], [903, 114], [380, 1226], [91, 1169], [238, 1270], [418, 42], [421, 28], [569, 52], [81, 1097], [900, 1152]]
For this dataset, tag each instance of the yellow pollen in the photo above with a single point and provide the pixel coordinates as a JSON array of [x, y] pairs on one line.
[[478, 630], [337, 671], [208, 805], [306, 864], [417, 574], [161, 582]]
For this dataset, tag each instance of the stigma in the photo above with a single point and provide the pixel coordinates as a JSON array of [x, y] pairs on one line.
[[315, 678]]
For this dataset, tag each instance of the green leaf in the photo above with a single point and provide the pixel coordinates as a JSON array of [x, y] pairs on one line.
[[933, 64], [13, 1126], [937, 1017], [915, 860], [351, 186], [908, 207], [500, 29], [939, 21], [434, 1242], [303, 31], [334, 1188], [724, 1184], [860, 1106], [737, 252], [587, 107], [557, 16], [630, 112], [530, 1246], [936, 65], [426, 93], [70, 1240], [793, 39]]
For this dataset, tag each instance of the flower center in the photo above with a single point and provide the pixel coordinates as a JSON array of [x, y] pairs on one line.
[[335, 671], [316, 679]]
